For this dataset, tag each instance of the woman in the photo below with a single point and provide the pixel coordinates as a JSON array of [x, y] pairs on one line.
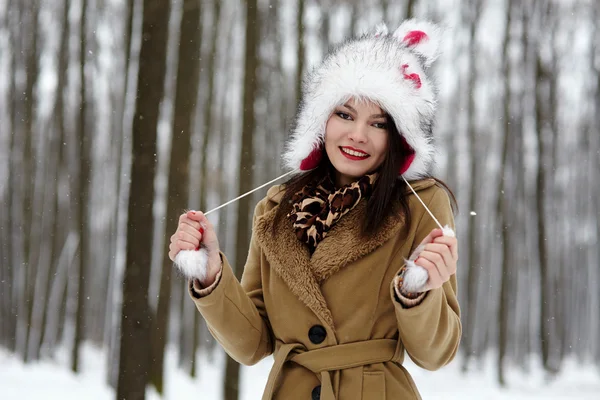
[[325, 287]]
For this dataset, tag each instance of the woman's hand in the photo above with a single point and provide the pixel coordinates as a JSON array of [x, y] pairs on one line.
[[193, 230], [439, 257]]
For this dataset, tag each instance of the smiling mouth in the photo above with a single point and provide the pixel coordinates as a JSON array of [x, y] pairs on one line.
[[353, 154]]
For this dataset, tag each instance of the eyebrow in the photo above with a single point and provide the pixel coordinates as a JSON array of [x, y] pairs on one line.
[[372, 116]]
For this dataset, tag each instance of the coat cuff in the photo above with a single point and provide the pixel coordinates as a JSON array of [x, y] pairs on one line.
[[198, 291], [406, 299]]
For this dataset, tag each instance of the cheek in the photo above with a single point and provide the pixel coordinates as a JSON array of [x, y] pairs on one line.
[[333, 132], [381, 147]]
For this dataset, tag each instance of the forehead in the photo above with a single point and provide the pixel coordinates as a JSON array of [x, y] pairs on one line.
[[364, 104]]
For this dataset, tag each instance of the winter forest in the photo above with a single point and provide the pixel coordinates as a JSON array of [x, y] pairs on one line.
[[119, 115]]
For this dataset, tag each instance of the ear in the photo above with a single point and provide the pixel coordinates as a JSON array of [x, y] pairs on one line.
[[422, 37]]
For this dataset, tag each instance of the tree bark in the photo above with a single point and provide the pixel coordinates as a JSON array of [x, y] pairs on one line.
[[135, 316], [502, 207], [82, 188], [123, 157], [231, 389], [24, 172], [473, 259], [543, 126], [188, 75], [411, 5], [12, 201], [301, 49]]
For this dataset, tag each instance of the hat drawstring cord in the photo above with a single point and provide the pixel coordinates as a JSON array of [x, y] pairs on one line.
[[445, 229], [250, 192]]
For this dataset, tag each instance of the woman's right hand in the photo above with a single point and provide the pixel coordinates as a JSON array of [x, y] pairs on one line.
[[195, 229]]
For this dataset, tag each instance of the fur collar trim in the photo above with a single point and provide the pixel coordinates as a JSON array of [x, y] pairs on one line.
[[291, 261]]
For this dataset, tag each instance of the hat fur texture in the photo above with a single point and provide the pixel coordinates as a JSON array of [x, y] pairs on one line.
[[386, 68]]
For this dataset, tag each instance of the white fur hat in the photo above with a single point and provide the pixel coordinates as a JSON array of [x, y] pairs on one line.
[[386, 68]]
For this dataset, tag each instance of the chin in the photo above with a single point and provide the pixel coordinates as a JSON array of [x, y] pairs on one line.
[[351, 172]]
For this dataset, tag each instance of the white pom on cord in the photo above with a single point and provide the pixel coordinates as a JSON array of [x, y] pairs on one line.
[[448, 231], [192, 263], [415, 276]]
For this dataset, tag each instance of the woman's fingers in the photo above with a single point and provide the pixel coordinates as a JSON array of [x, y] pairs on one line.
[[193, 237], [186, 219], [435, 233], [435, 280], [438, 262], [445, 252], [176, 246], [451, 242], [190, 231]]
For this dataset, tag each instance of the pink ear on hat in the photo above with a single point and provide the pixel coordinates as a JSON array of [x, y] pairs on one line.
[[312, 161], [413, 38], [413, 77], [409, 157], [422, 38]]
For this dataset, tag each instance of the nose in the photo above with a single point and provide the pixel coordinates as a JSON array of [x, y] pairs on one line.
[[358, 133]]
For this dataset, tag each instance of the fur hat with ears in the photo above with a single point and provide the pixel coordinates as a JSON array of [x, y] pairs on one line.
[[386, 68]]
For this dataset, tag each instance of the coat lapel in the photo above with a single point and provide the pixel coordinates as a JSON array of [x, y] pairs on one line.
[[291, 260], [344, 244]]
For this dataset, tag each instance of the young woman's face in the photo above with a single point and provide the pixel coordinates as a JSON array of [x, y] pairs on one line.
[[356, 140]]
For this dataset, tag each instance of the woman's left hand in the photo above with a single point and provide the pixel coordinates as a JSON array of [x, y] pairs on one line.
[[439, 257]]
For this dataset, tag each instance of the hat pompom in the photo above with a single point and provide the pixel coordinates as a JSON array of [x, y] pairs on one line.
[[422, 37]]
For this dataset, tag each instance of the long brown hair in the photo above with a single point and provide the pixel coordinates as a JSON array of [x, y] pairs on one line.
[[390, 194]]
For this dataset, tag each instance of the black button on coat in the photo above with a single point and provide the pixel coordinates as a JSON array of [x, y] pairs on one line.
[[317, 334], [316, 393]]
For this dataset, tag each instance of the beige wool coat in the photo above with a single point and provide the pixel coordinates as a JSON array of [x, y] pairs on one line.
[[332, 320]]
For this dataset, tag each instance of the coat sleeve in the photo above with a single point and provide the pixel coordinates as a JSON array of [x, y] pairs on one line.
[[235, 312], [431, 330]]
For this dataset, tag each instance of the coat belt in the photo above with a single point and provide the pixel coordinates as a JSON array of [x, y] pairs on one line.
[[325, 360]]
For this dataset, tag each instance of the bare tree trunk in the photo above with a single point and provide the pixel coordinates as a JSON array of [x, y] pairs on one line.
[[28, 23], [65, 240], [136, 318], [473, 259], [123, 129], [301, 49], [82, 189], [208, 111], [544, 126], [325, 28], [47, 200], [231, 389], [411, 5], [503, 206], [205, 184], [188, 75], [596, 165], [12, 259]]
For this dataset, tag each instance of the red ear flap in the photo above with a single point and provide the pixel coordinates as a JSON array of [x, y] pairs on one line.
[[409, 156], [312, 161], [413, 38]]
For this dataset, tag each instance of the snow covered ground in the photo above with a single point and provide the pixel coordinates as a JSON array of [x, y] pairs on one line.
[[52, 379]]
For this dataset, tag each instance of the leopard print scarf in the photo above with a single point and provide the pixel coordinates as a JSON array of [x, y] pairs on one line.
[[316, 208]]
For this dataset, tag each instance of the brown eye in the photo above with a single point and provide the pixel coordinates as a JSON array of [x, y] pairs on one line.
[[380, 125], [343, 115]]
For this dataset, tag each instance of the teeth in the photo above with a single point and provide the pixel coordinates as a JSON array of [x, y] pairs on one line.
[[354, 153]]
